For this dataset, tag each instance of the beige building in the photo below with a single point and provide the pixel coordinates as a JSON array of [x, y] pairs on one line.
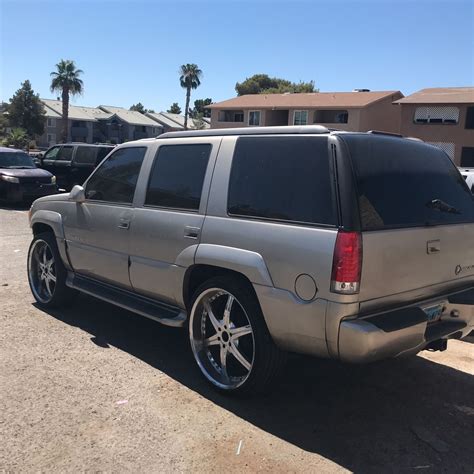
[[444, 117], [359, 110]]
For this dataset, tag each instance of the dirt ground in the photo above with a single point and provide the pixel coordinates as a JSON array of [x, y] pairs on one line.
[[97, 388]]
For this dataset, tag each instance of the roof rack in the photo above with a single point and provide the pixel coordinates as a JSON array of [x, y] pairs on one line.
[[380, 132], [283, 130]]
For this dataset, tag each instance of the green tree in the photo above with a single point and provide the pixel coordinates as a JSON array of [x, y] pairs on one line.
[[141, 108], [66, 79], [199, 108], [174, 109], [190, 78], [263, 84], [18, 138], [26, 111]]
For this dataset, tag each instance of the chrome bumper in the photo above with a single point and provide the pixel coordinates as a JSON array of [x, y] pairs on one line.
[[404, 331]]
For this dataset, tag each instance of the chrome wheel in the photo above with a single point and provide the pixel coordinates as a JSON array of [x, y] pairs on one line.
[[222, 338], [42, 271]]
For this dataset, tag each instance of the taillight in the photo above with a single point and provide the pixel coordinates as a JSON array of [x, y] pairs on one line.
[[347, 263]]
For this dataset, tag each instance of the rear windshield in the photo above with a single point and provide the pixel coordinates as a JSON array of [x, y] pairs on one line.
[[403, 183]]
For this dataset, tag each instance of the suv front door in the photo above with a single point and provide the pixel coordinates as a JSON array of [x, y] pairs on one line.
[[97, 230], [57, 161], [169, 215]]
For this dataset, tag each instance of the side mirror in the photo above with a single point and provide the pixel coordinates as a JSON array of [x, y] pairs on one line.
[[77, 194]]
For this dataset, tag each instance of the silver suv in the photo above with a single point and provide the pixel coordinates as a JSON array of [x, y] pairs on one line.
[[355, 246]]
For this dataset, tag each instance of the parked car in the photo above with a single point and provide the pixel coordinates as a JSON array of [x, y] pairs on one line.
[[468, 175], [354, 246], [72, 163], [20, 180]]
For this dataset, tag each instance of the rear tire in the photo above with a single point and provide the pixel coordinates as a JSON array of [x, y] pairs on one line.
[[229, 338], [46, 272]]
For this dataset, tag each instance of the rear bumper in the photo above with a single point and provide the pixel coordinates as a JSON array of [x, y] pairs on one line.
[[404, 331]]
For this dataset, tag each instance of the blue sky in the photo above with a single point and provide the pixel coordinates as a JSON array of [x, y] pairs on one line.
[[131, 50]]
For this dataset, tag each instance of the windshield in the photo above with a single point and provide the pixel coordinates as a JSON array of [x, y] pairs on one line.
[[14, 160], [402, 183]]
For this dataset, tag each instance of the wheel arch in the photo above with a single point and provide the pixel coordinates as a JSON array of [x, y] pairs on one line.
[[197, 274]]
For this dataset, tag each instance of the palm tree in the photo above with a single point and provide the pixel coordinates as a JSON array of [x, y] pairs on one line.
[[190, 78], [66, 80]]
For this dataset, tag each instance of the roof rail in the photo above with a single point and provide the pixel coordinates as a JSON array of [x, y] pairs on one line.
[[283, 130], [380, 132]]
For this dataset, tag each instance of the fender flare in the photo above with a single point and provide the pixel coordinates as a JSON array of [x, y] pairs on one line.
[[251, 264], [51, 218]]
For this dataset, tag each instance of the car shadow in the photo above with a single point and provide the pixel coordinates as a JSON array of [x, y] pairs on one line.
[[17, 206], [393, 416]]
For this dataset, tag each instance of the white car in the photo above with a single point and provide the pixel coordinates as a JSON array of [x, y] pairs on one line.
[[468, 175]]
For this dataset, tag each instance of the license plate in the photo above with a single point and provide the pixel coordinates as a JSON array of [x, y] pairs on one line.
[[433, 312]]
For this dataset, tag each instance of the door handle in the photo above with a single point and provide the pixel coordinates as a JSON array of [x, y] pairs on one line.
[[433, 246], [191, 232], [124, 224]]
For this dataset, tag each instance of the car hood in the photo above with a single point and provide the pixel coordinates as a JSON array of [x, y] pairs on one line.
[[26, 173]]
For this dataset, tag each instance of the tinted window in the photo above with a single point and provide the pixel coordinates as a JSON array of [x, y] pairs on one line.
[[65, 153], [86, 155], [402, 183], [470, 117], [282, 178], [177, 176], [103, 152], [115, 179], [467, 157]]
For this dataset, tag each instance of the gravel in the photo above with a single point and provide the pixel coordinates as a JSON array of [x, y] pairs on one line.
[[97, 388]]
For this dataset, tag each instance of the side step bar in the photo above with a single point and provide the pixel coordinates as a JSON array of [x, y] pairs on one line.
[[156, 310]]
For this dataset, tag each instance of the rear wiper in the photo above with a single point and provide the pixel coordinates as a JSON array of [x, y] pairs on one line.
[[442, 206]]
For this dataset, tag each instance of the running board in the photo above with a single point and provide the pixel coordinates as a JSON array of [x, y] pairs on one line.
[[156, 310]]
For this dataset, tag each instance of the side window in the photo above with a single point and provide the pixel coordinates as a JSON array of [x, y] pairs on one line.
[[177, 176], [103, 152], [65, 153], [116, 178], [86, 155], [282, 178], [52, 154]]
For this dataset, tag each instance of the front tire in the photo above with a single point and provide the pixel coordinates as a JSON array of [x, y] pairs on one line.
[[46, 272], [229, 338]]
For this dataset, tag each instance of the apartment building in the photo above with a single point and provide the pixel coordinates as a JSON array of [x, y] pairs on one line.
[[359, 110], [443, 116]]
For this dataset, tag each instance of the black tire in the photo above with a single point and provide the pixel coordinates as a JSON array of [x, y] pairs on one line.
[[62, 295], [268, 359]]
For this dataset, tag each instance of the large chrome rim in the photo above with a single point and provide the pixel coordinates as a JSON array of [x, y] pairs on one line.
[[222, 338], [42, 271]]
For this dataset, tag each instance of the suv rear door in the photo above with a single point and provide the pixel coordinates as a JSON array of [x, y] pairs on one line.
[[168, 219], [417, 220]]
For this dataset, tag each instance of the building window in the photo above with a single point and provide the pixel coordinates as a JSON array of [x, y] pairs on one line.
[[467, 157], [470, 118], [436, 115], [300, 117], [254, 118], [230, 116], [447, 147], [51, 139], [51, 122], [330, 116]]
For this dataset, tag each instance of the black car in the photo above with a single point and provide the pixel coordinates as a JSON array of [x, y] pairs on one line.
[[20, 179], [72, 163]]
